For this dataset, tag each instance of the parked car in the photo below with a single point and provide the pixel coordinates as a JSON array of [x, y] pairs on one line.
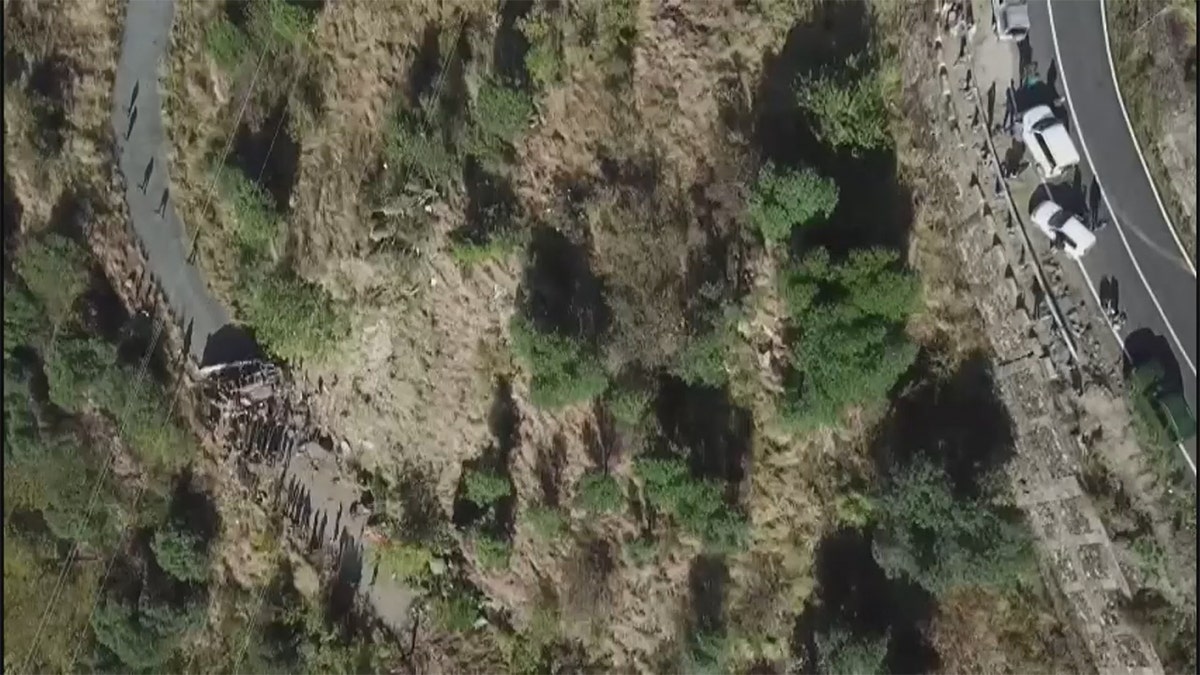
[[1012, 19], [1063, 228], [1048, 141]]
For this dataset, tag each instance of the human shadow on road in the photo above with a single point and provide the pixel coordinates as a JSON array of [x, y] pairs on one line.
[[229, 344], [1143, 346]]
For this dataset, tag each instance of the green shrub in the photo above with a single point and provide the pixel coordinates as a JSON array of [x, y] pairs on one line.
[[786, 198], [293, 317], [469, 253], [25, 322], [544, 60], [616, 23], [850, 318], [418, 152], [941, 541], [643, 551], [708, 653], [848, 108], [501, 115], [696, 504], [57, 271], [599, 493], [281, 22], [629, 404], [564, 371], [841, 651], [491, 552], [180, 554], [457, 613], [702, 359], [485, 488], [547, 523], [409, 563], [256, 224], [83, 369], [227, 43]]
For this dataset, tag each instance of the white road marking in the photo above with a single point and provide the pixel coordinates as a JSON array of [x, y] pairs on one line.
[[1112, 69], [1103, 193], [1087, 279]]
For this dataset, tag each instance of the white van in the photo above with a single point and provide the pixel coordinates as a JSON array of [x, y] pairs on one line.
[[1048, 141]]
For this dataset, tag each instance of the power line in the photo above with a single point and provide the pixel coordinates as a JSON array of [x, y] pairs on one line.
[[137, 382], [91, 502], [113, 558]]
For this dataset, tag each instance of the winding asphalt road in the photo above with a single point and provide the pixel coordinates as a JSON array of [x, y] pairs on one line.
[[144, 47], [1156, 281]]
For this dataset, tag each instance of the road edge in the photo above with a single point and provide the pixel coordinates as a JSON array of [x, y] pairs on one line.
[[1112, 70]]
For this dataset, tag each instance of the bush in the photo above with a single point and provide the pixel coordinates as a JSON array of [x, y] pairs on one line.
[[643, 551], [469, 253], [841, 651], [599, 493], [564, 371], [547, 523], [227, 43], [544, 60], [295, 318], [501, 115], [943, 542], [180, 554], [850, 318], [457, 613], [702, 359], [491, 552], [409, 563], [696, 504], [280, 20], [628, 404], [417, 151], [785, 198], [256, 224], [848, 108], [25, 322], [57, 271], [485, 488]]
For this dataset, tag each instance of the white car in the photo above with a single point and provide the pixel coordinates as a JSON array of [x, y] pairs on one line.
[[1012, 19], [1063, 228], [1048, 140]]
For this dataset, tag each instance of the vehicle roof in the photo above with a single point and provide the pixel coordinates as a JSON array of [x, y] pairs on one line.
[[1060, 144], [1078, 233], [1045, 211], [1015, 16], [1037, 112]]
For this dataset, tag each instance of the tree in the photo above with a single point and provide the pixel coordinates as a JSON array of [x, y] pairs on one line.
[[57, 272], [786, 198], [563, 370], [696, 504], [180, 554], [942, 541], [849, 318], [848, 107], [840, 652]]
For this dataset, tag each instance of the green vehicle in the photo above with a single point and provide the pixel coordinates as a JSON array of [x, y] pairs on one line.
[[1169, 407]]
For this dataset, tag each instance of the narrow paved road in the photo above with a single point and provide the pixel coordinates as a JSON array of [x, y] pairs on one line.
[[144, 150], [1157, 287], [143, 54]]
